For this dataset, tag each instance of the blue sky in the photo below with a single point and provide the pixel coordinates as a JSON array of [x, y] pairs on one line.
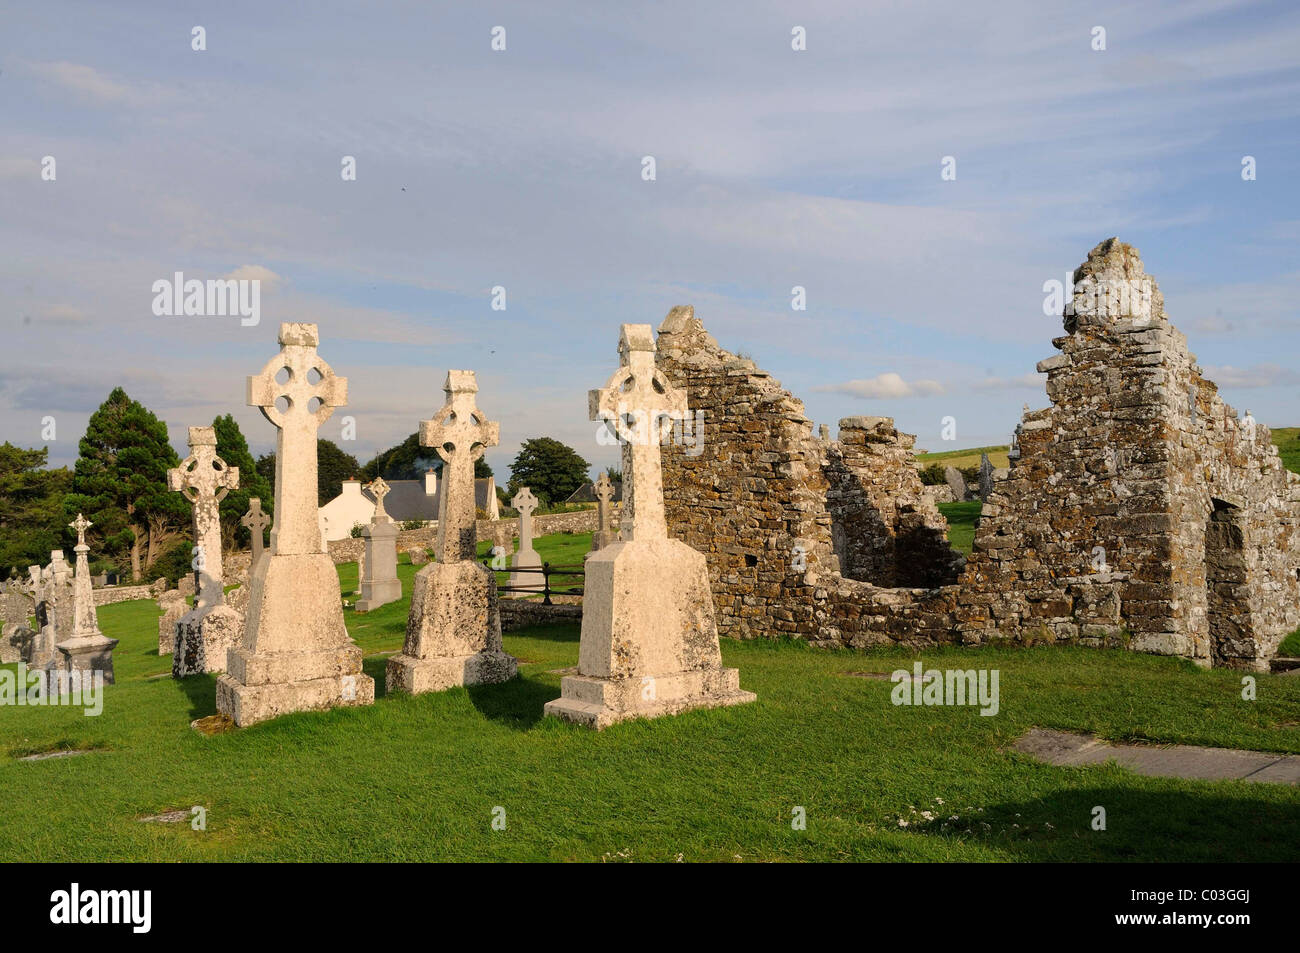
[[522, 168]]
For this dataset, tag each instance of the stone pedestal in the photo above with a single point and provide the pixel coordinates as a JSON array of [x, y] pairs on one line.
[[297, 656], [174, 606], [202, 639], [379, 585], [453, 633], [649, 641], [88, 653], [528, 581]]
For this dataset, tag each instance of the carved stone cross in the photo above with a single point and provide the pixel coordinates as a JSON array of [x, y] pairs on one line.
[[635, 404], [84, 622], [256, 521], [604, 491], [297, 392], [525, 503], [204, 479], [460, 433], [379, 489]]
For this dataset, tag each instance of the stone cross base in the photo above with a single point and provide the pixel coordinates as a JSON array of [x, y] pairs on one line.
[[379, 582], [453, 633], [91, 653], [202, 640], [529, 581], [649, 640], [296, 654], [601, 539]]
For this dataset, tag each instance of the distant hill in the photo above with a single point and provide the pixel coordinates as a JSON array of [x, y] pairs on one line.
[[1286, 438]]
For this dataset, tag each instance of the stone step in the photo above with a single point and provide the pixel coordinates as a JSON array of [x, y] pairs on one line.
[[1285, 664]]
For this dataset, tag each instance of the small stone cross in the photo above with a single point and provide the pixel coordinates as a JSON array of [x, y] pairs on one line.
[[379, 489], [525, 503], [635, 403], [84, 622], [297, 392], [461, 434], [256, 521], [81, 524], [204, 479], [604, 491]]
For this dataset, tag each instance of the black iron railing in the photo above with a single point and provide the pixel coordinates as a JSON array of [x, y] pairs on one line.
[[547, 571]]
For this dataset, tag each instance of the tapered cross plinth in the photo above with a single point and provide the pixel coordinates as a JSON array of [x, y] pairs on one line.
[[88, 650], [204, 479], [255, 521], [639, 404], [649, 643], [460, 433], [295, 654]]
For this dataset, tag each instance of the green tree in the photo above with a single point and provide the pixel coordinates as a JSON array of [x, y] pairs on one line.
[[333, 466], [120, 484], [233, 448], [549, 468], [31, 508], [410, 461]]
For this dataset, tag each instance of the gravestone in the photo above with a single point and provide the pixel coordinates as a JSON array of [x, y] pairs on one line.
[[453, 631], [649, 643], [418, 555], [185, 585], [604, 491], [296, 654], [206, 634], [88, 649], [255, 521], [526, 557], [379, 582], [956, 482], [986, 477], [173, 605], [52, 592]]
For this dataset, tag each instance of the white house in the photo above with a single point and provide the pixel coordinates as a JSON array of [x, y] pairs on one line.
[[406, 500]]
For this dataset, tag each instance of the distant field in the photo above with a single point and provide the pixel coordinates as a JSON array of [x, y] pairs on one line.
[[965, 458], [1288, 443]]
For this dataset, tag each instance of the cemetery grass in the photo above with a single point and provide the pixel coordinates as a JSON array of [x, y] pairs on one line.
[[962, 518], [418, 778], [965, 458]]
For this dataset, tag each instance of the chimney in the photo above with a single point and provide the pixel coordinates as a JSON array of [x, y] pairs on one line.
[[351, 488], [430, 482]]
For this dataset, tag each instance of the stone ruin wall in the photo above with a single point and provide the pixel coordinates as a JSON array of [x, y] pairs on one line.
[[1097, 533], [755, 483]]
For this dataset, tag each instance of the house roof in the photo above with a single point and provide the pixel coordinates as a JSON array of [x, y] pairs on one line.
[[587, 493], [406, 499]]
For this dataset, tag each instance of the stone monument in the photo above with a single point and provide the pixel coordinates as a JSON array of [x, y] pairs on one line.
[[526, 558], [649, 638], [604, 492], [379, 582], [296, 654], [205, 634], [87, 650], [453, 632], [255, 521]]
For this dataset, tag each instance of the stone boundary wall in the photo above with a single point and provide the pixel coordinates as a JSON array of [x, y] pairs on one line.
[[109, 595], [521, 613]]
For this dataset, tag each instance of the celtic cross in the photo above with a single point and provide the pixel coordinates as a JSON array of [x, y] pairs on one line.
[[255, 521], [460, 433], [635, 404], [379, 489], [204, 479], [297, 392]]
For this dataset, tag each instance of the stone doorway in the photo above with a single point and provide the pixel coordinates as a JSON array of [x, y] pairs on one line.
[[1232, 640]]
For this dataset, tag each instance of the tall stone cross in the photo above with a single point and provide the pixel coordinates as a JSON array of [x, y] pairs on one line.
[[604, 491], [379, 489], [634, 404], [204, 479], [256, 521], [297, 392], [84, 622], [460, 433], [525, 503]]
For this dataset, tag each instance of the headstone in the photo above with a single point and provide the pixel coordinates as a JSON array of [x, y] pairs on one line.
[[88, 649], [956, 481], [207, 633], [418, 555], [255, 521], [185, 585], [526, 557], [296, 654], [649, 637], [453, 631], [51, 589], [173, 605], [379, 582], [986, 477], [604, 491], [15, 642]]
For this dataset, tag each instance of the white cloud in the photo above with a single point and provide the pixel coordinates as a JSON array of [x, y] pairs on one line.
[[269, 279], [885, 386], [85, 81], [1029, 381], [1257, 375]]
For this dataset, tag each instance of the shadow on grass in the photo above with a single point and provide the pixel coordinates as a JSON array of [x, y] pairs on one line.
[[1140, 825], [516, 703], [201, 690], [376, 666], [549, 633]]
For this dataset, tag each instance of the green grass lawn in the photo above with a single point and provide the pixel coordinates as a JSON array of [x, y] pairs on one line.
[[965, 458], [418, 778], [1288, 445], [961, 524]]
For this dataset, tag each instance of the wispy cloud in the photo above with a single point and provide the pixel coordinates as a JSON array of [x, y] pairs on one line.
[[885, 386]]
